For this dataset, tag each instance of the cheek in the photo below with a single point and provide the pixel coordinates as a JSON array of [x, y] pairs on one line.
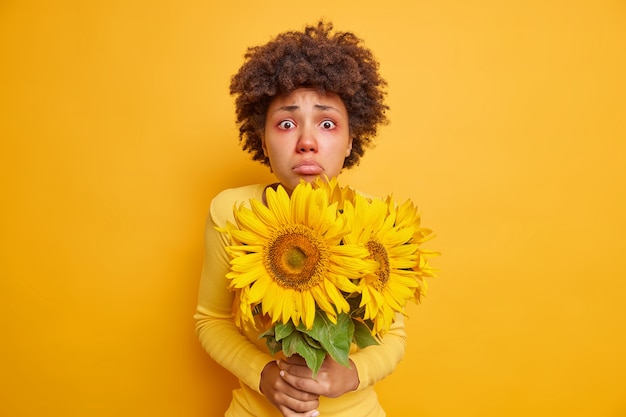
[[338, 162]]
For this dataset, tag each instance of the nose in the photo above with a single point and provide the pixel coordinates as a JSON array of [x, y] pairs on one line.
[[307, 141]]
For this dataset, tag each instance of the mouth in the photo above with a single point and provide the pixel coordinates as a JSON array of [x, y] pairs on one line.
[[308, 167]]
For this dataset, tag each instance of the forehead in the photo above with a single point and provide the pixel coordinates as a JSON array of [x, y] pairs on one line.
[[308, 97]]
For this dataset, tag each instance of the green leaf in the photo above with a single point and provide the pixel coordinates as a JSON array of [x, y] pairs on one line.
[[273, 345], [362, 335], [296, 343], [312, 342], [290, 343], [313, 357], [283, 330], [334, 338]]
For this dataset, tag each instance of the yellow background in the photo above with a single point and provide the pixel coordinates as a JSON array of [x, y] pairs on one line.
[[508, 130]]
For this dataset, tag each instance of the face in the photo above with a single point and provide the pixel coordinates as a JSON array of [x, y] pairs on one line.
[[306, 135]]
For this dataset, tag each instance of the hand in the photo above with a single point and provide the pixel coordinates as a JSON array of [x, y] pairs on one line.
[[290, 401], [332, 380]]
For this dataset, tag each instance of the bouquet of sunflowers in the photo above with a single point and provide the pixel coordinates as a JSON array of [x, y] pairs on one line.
[[324, 268]]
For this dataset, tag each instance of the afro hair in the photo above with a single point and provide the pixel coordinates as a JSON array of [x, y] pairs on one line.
[[316, 58]]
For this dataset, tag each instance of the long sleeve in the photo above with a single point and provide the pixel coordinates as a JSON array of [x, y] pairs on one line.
[[214, 319], [375, 362]]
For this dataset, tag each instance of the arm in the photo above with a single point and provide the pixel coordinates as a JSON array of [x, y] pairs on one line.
[[214, 319], [375, 362]]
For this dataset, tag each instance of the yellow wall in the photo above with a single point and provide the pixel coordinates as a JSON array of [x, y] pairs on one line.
[[508, 129]]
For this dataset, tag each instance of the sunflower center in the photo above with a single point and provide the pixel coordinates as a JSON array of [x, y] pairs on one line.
[[296, 257], [379, 254]]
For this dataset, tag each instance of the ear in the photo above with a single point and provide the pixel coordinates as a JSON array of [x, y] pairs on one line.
[[349, 148]]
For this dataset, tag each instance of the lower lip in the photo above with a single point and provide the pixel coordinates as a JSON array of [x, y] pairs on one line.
[[308, 170]]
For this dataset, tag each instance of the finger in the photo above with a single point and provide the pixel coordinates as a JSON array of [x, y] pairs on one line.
[[298, 395], [286, 412], [301, 370], [303, 384], [296, 405]]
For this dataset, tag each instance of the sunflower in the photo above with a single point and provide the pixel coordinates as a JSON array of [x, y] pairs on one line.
[[336, 192], [288, 258], [387, 233], [408, 216]]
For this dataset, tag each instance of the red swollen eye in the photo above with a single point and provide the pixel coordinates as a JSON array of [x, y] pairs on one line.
[[286, 124]]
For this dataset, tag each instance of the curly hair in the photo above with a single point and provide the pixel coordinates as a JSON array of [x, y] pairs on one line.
[[316, 58]]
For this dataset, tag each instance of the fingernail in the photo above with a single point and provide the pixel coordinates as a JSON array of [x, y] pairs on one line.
[[282, 373], [315, 413]]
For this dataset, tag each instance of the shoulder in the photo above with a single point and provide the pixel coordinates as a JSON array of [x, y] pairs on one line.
[[223, 203]]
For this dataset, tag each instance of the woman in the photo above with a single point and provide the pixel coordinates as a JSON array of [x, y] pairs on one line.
[[308, 105]]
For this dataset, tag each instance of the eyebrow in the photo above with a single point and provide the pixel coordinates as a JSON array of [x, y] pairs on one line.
[[294, 108]]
